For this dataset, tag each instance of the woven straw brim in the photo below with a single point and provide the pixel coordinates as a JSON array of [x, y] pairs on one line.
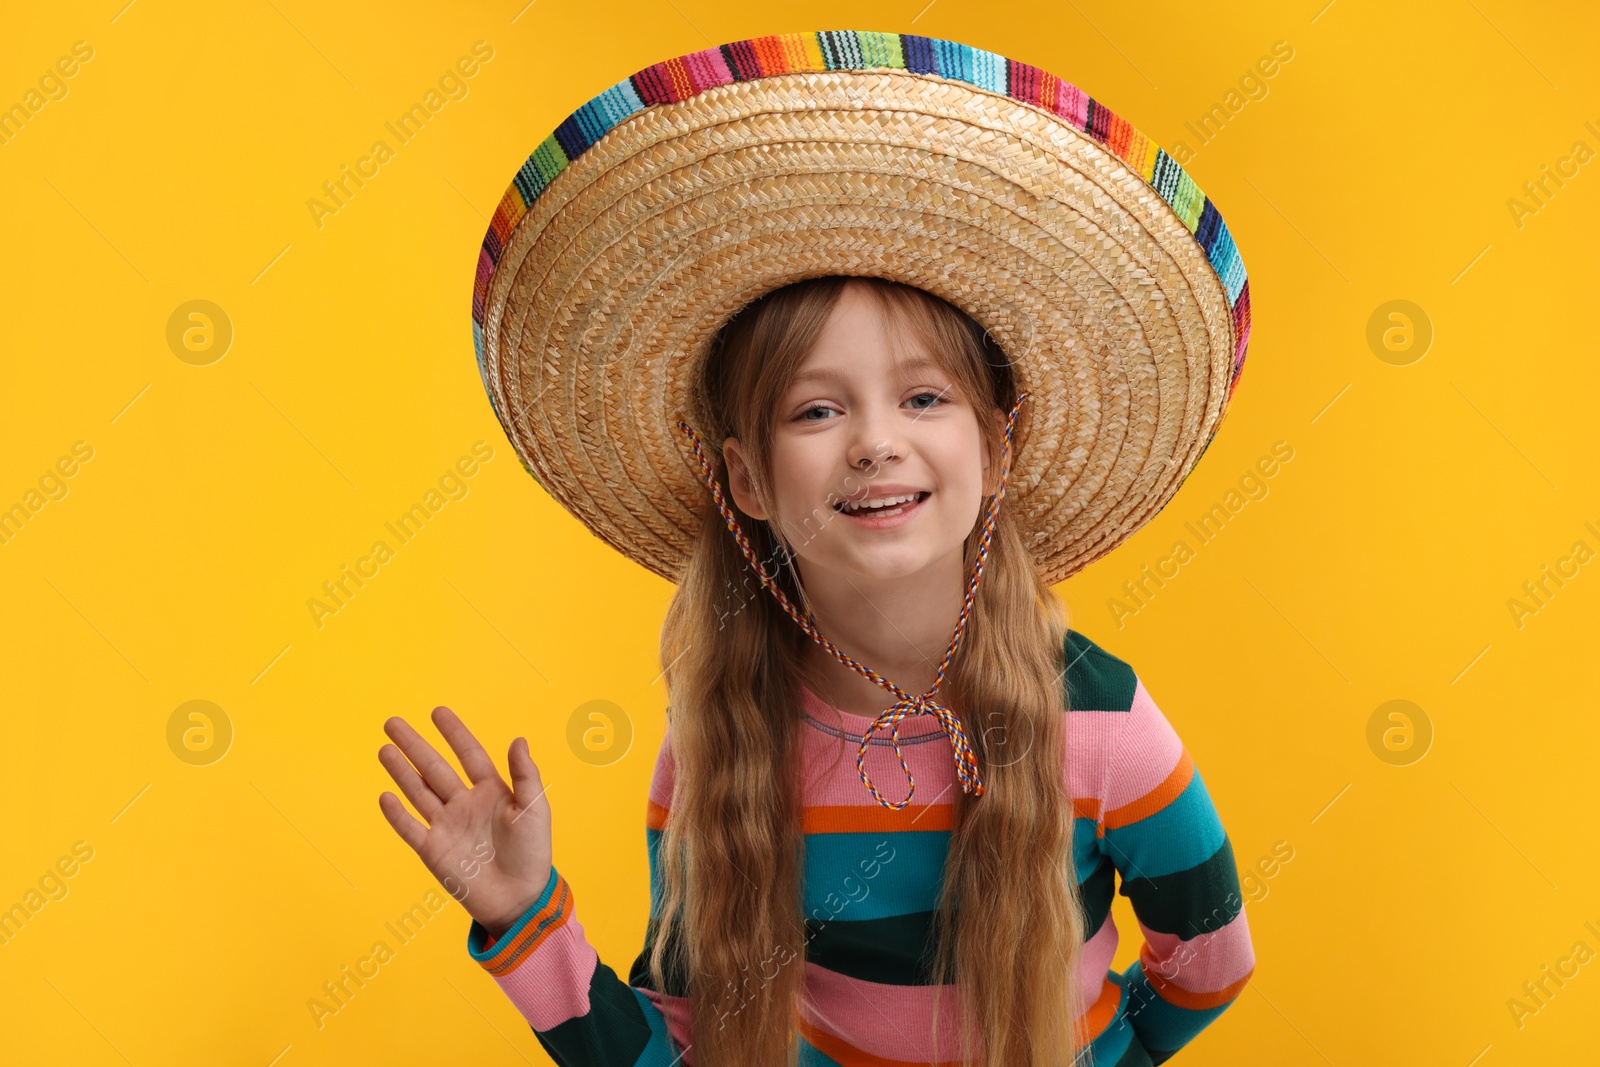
[[607, 291]]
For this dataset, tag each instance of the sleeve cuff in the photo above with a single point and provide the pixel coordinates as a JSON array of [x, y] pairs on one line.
[[516, 944]]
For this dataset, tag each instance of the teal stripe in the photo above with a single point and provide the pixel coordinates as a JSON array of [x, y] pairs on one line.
[[606, 110], [954, 60], [1182, 835], [662, 1051], [1087, 855], [841, 50], [1106, 1049], [1160, 1025], [989, 71], [859, 876], [810, 1056], [478, 935], [1225, 258]]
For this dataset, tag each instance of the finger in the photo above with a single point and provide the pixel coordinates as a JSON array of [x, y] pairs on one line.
[[474, 760], [405, 824], [434, 768], [410, 782], [526, 783]]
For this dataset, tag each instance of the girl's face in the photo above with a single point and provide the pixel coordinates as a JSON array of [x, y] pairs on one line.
[[878, 466]]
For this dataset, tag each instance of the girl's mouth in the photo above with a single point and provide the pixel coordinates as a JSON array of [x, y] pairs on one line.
[[883, 511]]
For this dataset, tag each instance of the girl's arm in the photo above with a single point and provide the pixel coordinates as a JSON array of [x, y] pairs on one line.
[[580, 1010], [1176, 867]]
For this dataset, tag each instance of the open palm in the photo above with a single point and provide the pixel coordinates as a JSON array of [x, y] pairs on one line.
[[488, 844]]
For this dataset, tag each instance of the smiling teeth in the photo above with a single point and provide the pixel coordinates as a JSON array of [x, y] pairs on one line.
[[880, 502]]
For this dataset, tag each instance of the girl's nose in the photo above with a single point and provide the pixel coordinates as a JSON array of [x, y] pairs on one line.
[[875, 442]]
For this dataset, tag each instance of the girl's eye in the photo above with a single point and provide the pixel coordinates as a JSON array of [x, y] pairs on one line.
[[820, 412]]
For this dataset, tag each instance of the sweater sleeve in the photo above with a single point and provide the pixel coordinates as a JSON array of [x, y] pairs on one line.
[[1176, 868], [581, 1012]]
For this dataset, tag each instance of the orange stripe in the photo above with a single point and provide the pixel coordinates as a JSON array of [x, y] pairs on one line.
[[510, 209], [1102, 1011], [847, 1055], [769, 54], [1050, 92], [682, 87], [1118, 134], [1086, 808], [532, 936], [848, 819], [655, 816], [1175, 994], [1157, 798]]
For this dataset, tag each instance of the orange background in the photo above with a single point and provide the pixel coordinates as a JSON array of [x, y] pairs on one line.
[[1383, 562]]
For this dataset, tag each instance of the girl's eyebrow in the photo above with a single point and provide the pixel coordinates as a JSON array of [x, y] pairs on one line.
[[820, 374]]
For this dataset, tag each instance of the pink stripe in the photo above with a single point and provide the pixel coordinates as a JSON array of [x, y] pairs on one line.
[[707, 68], [678, 1013], [1090, 737], [1148, 750], [551, 985], [1098, 952], [665, 773], [1072, 103], [830, 778], [480, 283], [1241, 325], [1205, 964], [892, 1021]]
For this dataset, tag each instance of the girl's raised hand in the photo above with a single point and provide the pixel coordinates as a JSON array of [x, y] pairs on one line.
[[488, 844]]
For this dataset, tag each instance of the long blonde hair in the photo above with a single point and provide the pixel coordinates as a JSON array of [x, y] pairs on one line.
[[731, 854]]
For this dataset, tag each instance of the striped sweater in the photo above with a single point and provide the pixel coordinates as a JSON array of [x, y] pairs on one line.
[[1143, 820]]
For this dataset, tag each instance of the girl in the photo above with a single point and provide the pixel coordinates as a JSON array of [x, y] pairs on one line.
[[804, 910], [867, 422]]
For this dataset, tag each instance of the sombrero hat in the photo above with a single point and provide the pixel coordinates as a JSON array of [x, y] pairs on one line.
[[666, 203]]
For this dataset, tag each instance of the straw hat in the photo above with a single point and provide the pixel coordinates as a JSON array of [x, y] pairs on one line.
[[666, 203]]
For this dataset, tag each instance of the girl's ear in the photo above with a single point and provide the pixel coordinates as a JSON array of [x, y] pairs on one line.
[[743, 489]]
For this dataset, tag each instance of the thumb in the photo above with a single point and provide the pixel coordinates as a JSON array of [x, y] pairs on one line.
[[526, 785]]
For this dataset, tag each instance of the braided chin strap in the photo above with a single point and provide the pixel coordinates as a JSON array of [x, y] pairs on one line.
[[965, 760]]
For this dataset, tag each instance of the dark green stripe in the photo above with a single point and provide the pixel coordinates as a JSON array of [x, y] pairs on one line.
[[1135, 1056], [888, 950], [677, 969], [897, 949], [1192, 902], [1095, 894], [1096, 680]]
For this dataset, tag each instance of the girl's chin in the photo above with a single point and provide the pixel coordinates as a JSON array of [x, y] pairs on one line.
[[887, 563]]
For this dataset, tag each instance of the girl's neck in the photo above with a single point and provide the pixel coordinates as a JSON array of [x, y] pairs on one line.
[[899, 627]]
